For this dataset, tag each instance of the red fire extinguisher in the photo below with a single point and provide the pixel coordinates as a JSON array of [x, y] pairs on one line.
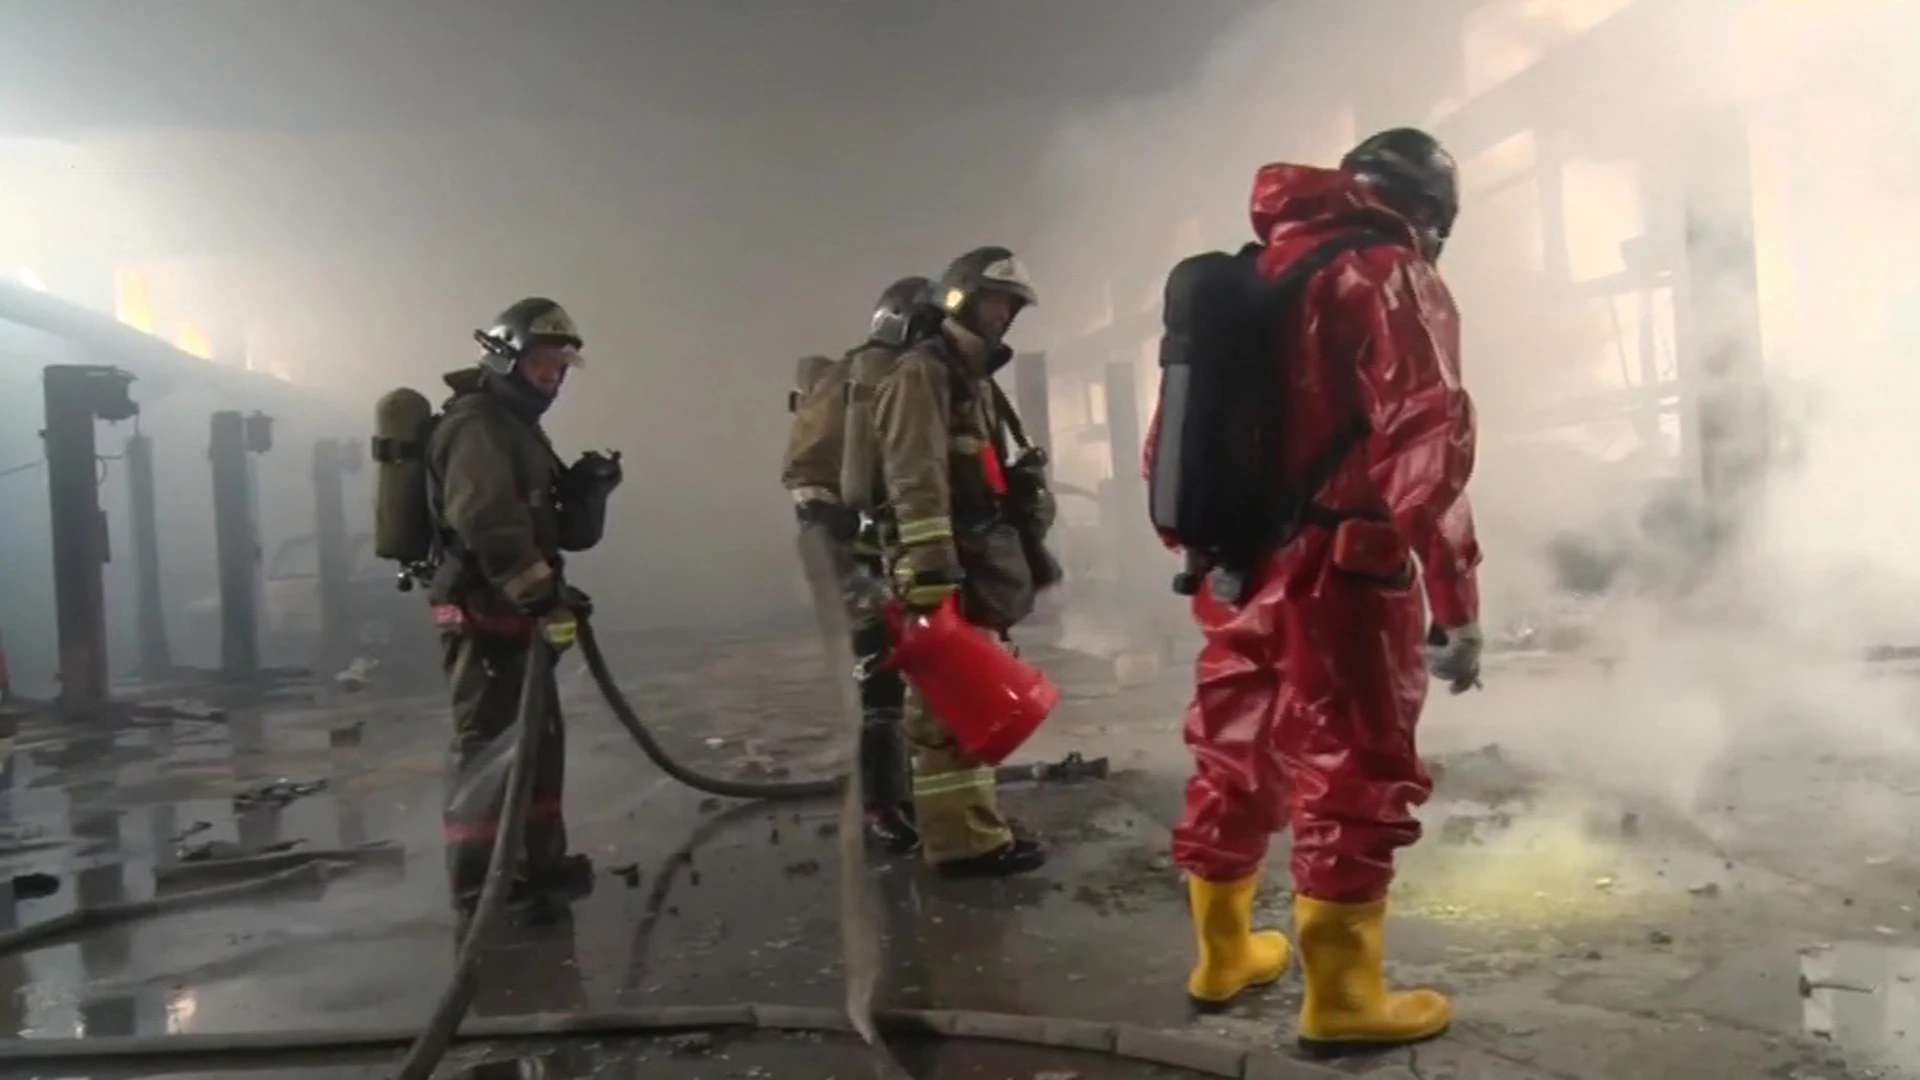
[[990, 699]]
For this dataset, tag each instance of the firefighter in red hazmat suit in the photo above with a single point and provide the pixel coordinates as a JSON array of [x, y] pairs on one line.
[[1309, 689]]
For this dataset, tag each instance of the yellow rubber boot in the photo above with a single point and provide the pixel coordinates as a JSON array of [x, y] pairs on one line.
[[1348, 1009], [1234, 957]]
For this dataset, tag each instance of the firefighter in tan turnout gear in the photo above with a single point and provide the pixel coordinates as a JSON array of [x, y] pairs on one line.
[[505, 507], [942, 436], [831, 471]]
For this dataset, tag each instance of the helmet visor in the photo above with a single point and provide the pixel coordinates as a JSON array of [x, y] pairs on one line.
[[564, 349]]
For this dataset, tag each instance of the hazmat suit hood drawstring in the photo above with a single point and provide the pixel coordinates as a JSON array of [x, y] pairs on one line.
[[1296, 207]]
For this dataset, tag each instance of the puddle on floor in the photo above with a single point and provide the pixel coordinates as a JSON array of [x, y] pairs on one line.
[[1865, 998]]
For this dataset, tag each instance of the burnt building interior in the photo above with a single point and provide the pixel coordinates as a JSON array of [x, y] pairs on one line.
[[1678, 826]]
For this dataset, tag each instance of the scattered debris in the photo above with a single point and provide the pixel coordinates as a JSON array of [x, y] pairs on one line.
[[179, 709], [1708, 891], [34, 886], [1659, 937], [803, 868], [20, 839], [1603, 883], [828, 829], [227, 849], [691, 1044], [1595, 954], [628, 874], [194, 829], [1808, 986], [276, 793], [357, 674], [709, 804]]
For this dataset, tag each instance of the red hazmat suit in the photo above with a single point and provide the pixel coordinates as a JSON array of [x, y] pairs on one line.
[[1308, 694]]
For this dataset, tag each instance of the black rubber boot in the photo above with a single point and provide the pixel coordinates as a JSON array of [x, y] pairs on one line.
[[892, 830], [885, 779], [1021, 855], [569, 878]]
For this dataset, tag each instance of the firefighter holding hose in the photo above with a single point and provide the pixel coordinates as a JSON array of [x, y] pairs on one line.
[[831, 470], [504, 508]]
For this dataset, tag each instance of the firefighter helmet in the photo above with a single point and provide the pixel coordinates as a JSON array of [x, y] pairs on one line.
[[899, 306], [528, 323], [984, 269]]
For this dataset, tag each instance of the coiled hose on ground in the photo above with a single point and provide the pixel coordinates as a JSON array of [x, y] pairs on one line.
[[428, 1047], [623, 711], [431, 1046]]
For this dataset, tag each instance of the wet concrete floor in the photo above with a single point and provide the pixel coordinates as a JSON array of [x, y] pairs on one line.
[[1581, 937]]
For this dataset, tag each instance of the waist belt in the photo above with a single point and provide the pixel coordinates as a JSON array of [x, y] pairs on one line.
[[456, 619]]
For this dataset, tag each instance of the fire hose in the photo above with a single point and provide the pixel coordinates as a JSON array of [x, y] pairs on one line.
[[427, 1047], [650, 745], [423, 1057]]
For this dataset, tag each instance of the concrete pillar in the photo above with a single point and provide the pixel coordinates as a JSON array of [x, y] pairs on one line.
[[232, 439], [1031, 397], [1722, 364], [156, 659], [332, 459], [76, 396]]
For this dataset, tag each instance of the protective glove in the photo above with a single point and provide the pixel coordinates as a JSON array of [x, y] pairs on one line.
[[560, 626], [1453, 656], [1045, 510], [557, 612], [1029, 497], [840, 523], [597, 470], [927, 575]]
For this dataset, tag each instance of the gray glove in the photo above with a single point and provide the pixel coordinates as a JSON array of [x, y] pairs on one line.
[[1453, 656]]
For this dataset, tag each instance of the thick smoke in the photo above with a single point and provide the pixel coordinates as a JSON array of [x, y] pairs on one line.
[[1601, 558]]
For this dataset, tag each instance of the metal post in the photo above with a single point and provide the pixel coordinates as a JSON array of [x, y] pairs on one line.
[[1125, 503], [1123, 422], [331, 459], [76, 396], [1720, 349], [156, 659], [236, 538], [1030, 396]]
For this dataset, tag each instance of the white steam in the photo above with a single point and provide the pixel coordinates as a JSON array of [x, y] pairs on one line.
[[1762, 647]]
